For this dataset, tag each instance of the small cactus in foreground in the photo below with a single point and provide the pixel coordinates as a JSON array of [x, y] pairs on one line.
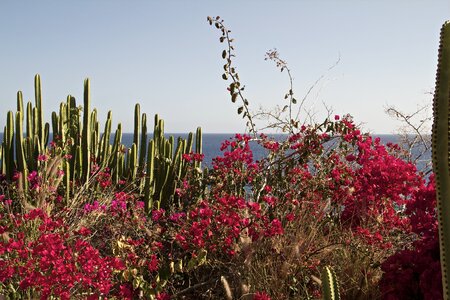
[[330, 285]]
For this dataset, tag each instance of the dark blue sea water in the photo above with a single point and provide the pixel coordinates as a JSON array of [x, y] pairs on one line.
[[212, 142]]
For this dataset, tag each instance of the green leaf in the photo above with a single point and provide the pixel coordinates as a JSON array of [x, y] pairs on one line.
[[240, 110], [224, 54]]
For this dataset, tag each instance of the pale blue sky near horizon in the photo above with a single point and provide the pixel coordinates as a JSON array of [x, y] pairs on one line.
[[165, 56]]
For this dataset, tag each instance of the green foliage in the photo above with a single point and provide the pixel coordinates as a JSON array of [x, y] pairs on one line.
[[441, 152]]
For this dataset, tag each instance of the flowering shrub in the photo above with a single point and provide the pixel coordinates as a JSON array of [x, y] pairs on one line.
[[52, 262], [415, 272], [325, 195]]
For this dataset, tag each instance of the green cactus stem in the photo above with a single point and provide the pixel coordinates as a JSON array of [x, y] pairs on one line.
[[143, 148], [62, 126], [20, 153], [441, 152], [330, 285], [104, 155], [29, 131], [20, 103], [137, 126], [149, 180], [86, 136], [198, 145], [66, 179], [2, 161], [55, 125], [39, 116], [46, 134], [132, 158], [8, 138]]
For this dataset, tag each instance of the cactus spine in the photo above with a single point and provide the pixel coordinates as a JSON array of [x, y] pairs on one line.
[[441, 152]]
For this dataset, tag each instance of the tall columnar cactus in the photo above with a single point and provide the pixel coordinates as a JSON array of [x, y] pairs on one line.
[[441, 152]]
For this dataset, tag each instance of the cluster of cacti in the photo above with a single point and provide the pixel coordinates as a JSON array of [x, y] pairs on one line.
[[19, 153], [153, 166], [441, 152], [165, 164]]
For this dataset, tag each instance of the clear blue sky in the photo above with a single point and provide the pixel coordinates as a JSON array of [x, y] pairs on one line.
[[165, 56]]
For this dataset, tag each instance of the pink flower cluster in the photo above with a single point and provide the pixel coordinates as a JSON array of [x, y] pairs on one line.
[[55, 262]]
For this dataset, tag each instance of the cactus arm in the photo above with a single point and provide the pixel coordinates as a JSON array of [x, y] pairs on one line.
[[66, 179], [143, 148], [46, 135], [115, 153], [149, 183], [440, 155], [133, 162], [55, 126], [189, 143], [29, 120], [9, 145], [105, 141], [36, 150], [137, 126], [2, 161], [20, 154], [39, 121], [86, 135], [78, 168], [62, 126], [198, 145], [20, 103]]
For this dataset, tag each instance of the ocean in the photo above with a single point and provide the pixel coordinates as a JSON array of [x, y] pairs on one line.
[[212, 141]]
